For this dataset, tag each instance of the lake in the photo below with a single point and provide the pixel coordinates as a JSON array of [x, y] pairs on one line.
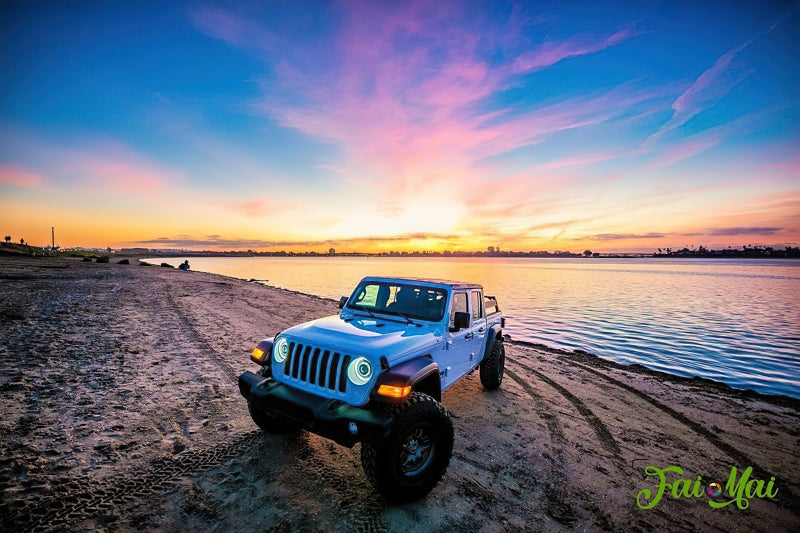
[[731, 320]]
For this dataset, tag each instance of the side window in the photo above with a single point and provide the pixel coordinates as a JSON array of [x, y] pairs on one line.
[[459, 306], [475, 304]]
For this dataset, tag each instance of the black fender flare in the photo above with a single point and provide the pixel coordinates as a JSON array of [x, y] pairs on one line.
[[495, 332], [421, 373]]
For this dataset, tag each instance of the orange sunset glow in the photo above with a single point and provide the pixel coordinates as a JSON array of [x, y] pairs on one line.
[[379, 127]]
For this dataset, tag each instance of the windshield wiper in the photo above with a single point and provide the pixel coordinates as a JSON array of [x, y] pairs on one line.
[[406, 317], [364, 309]]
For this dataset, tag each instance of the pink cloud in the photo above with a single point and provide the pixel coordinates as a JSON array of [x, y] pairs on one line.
[[404, 92], [253, 208], [19, 178], [97, 164], [126, 177], [790, 166], [551, 52], [259, 208], [686, 149], [587, 160]]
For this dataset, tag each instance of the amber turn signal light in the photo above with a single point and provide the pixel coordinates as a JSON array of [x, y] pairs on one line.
[[394, 392], [257, 355]]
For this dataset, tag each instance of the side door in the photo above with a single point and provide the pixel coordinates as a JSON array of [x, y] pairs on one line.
[[464, 347], [478, 324]]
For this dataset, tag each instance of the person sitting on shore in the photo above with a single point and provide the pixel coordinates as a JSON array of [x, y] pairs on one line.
[[185, 265]]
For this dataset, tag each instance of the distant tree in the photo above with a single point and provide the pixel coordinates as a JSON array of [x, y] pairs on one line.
[[22, 241], [8, 238], [587, 253], [490, 249], [331, 251]]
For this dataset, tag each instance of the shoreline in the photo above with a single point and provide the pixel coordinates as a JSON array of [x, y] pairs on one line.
[[121, 411], [778, 399]]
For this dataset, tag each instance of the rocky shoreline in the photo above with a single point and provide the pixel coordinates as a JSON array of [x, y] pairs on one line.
[[120, 411]]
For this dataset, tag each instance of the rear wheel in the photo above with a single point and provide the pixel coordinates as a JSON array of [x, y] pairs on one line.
[[267, 423], [407, 463], [493, 365]]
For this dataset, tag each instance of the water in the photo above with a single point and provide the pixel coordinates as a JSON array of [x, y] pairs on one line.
[[734, 321]]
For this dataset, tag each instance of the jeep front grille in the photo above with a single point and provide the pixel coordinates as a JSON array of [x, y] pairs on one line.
[[316, 366]]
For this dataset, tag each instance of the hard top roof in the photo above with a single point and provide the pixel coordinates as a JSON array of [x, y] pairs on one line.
[[432, 281]]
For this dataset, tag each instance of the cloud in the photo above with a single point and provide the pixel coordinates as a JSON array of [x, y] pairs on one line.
[[99, 165], [711, 86], [405, 89], [728, 232], [135, 178], [692, 145], [603, 237], [238, 31], [551, 52], [259, 208], [11, 175]]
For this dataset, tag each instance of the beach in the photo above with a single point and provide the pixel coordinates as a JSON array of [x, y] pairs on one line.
[[120, 411]]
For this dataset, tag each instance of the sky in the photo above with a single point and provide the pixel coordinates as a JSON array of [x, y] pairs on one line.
[[380, 126]]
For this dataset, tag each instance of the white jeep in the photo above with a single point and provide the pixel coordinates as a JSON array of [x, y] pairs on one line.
[[375, 374]]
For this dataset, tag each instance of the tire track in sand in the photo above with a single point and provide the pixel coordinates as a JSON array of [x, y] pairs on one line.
[[600, 429], [556, 502], [86, 498], [206, 348], [788, 500], [361, 505]]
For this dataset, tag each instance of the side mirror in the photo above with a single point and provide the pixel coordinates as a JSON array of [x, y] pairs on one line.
[[461, 320], [342, 301]]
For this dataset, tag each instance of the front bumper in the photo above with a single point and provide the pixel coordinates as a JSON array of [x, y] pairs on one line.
[[328, 418]]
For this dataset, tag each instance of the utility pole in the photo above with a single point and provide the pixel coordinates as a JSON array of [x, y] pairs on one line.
[[53, 236]]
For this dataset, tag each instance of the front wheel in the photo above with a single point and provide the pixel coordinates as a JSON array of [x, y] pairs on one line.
[[493, 365], [406, 464]]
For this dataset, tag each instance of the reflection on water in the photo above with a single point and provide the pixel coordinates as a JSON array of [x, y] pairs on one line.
[[735, 321]]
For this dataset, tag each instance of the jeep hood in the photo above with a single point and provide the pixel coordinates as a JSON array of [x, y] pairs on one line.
[[372, 337]]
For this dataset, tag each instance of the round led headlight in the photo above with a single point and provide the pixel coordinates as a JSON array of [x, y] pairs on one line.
[[281, 350], [359, 371]]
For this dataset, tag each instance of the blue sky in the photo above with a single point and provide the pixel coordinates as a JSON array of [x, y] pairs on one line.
[[391, 126]]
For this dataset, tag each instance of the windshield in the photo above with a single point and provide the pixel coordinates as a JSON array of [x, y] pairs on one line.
[[405, 300]]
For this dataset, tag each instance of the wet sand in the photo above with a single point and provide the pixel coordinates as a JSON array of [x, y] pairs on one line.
[[120, 411]]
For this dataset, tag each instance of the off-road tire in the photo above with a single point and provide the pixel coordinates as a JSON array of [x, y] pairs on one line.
[[493, 365], [269, 424], [406, 464]]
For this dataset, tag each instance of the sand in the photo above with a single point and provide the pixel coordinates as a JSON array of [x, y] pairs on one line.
[[120, 411]]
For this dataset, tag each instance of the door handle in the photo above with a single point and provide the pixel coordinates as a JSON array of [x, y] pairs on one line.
[[468, 336]]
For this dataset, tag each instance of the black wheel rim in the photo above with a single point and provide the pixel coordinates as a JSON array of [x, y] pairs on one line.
[[416, 451]]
